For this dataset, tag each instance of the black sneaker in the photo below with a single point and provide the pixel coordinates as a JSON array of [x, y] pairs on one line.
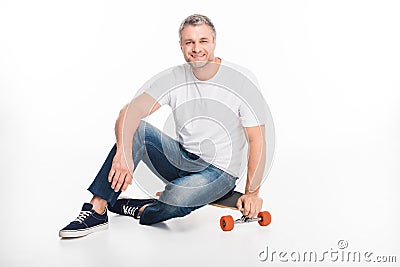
[[129, 206], [87, 222]]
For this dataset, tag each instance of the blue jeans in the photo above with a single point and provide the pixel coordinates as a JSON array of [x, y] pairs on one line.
[[191, 182]]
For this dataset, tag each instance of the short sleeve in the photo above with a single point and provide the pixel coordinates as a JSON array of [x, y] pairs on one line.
[[162, 97], [253, 107], [159, 87]]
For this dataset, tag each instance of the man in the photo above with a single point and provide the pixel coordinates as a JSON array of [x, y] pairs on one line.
[[214, 107]]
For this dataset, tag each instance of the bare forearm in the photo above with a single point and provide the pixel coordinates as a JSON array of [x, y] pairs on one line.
[[121, 173], [129, 119], [125, 128], [256, 165], [250, 203]]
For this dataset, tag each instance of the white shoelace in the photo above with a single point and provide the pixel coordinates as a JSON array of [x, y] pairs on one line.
[[129, 210], [82, 216]]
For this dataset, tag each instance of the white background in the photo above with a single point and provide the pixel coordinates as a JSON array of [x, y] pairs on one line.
[[329, 71]]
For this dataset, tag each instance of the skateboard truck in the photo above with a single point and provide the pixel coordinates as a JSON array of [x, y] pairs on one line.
[[227, 223]]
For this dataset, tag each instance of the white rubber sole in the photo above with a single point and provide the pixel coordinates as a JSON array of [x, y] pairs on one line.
[[79, 233]]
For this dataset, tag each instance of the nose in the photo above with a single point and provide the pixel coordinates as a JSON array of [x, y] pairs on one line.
[[196, 47]]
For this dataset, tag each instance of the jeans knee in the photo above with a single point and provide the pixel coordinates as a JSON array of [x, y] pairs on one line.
[[141, 125], [139, 137], [140, 130]]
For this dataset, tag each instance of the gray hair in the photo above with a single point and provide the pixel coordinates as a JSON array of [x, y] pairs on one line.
[[197, 19]]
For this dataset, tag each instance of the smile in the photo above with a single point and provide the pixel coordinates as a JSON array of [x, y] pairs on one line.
[[198, 56]]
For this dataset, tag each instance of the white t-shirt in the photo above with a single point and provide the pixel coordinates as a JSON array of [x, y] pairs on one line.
[[209, 116]]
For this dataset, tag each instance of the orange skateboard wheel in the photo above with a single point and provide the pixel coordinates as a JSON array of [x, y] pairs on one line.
[[265, 218], [226, 223]]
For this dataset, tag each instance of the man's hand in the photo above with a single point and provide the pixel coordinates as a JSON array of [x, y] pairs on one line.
[[250, 204], [120, 174]]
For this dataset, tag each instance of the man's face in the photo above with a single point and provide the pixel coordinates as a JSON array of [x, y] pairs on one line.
[[197, 44]]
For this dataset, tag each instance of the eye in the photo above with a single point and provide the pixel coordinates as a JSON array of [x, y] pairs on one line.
[[188, 42], [204, 41]]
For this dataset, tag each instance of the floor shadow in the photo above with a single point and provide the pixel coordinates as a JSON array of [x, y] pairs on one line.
[[160, 225]]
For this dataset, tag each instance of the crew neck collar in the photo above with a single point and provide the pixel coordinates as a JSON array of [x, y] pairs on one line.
[[213, 77]]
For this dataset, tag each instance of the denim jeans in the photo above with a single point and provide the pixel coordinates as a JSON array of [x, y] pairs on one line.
[[190, 182]]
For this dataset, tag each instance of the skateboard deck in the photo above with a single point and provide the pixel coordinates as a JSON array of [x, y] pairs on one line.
[[228, 201]]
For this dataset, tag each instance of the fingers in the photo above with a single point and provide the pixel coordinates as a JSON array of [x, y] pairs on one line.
[[252, 211], [127, 182], [247, 207], [121, 182], [251, 206], [119, 175], [239, 204], [111, 174]]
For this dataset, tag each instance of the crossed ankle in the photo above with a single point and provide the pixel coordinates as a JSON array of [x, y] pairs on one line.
[[99, 204], [130, 207], [142, 209]]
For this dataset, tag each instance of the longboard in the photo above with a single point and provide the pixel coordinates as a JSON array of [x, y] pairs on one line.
[[229, 201], [227, 222]]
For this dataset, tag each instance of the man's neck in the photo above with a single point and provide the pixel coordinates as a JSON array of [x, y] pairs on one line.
[[208, 71]]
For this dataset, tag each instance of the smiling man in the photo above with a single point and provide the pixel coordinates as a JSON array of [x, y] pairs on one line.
[[217, 112]]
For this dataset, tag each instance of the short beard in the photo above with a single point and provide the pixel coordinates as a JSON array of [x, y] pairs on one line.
[[198, 64]]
